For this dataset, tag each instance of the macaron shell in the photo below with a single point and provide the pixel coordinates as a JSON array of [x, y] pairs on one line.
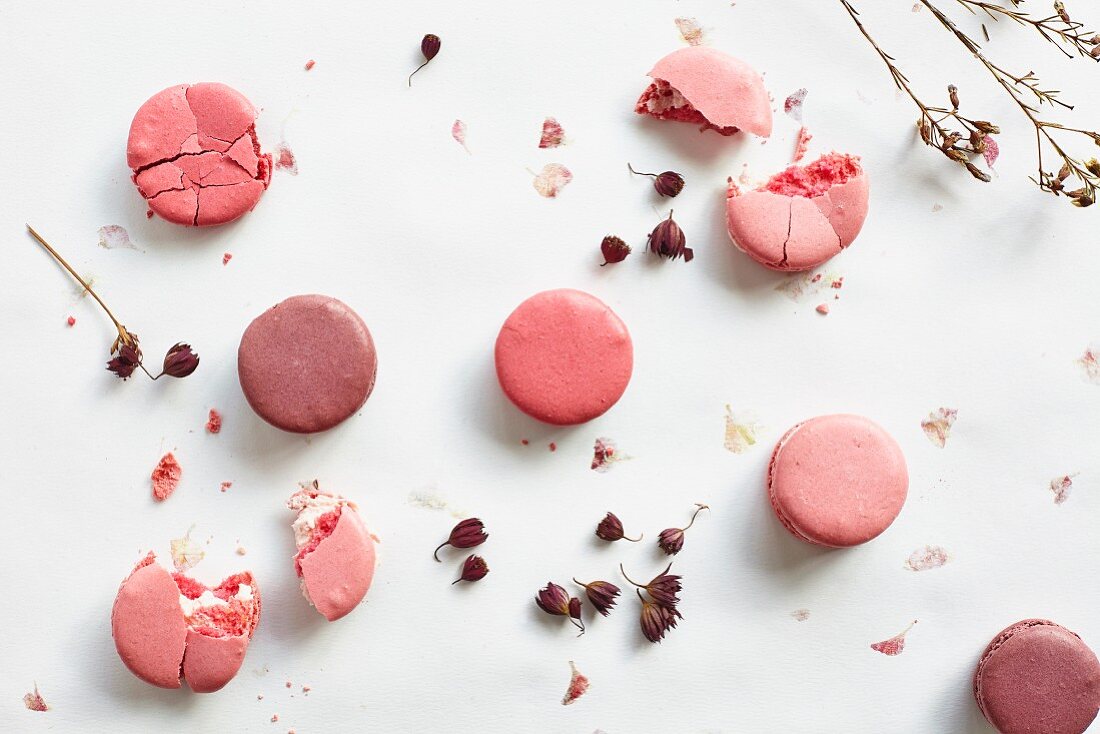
[[758, 224], [307, 364], [1037, 676], [148, 626], [845, 206], [724, 89], [211, 662], [337, 574], [837, 480], [161, 127], [811, 240], [564, 357]]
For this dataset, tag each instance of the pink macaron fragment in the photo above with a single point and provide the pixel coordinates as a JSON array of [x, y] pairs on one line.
[[195, 156], [307, 364], [168, 626], [1037, 676], [802, 216], [336, 556], [709, 88], [564, 357], [837, 480]]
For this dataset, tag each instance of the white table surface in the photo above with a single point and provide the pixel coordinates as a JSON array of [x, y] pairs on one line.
[[982, 306]]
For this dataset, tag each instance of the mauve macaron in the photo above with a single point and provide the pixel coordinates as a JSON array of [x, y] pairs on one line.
[[1038, 677], [802, 216], [707, 87], [564, 357], [195, 156], [307, 364], [837, 480]]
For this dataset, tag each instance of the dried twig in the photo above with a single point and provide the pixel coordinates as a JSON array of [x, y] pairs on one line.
[[1068, 36]]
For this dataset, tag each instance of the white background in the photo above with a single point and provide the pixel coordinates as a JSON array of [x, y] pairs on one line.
[[983, 306]]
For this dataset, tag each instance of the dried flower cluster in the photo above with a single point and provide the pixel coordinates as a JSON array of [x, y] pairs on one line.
[[468, 533], [659, 613], [961, 138], [666, 239], [180, 361]]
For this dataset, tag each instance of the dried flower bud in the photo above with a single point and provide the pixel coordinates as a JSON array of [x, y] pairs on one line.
[[473, 569], [656, 620], [1094, 52], [601, 594], [667, 184], [953, 95], [668, 240], [575, 608], [977, 172], [664, 587], [1060, 9], [925, 132], [987, 127], [1093, 166], [614, 250], [180, 361], [429, 47], [671, 541], [611, 529], [467, 534], [127, 360], [956, 155], [977, 141], [1095, 40], [1083, 200], [950, 140], [1063, 172], [556, 601]]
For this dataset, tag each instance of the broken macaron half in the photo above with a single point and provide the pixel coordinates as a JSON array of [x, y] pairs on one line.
[[168, 626], [802, 216], [336, 555], [709, 88]]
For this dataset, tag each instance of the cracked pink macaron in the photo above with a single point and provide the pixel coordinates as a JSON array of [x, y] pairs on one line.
[[169, 626], [837, 480], [709, 88], [335, 558], [802, 216], [307, 364], [564, 357], [194, 154], [1037, 676]]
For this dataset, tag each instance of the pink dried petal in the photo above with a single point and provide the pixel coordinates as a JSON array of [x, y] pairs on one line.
[[284, 159], [226, 258], [937, 426], [793, 104], [225, 486], [740, 432], [552, 133], [928, 557], [166, 477], [800, 615], [552, 180], [1089, 362], [1061, 486], [604, 454], [578, 684], [802, 144], [112, 237], [992, 150], [895, 645], [458, 132], [34, 701], [690, 31]]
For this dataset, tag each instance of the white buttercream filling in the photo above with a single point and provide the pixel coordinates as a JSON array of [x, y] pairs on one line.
[[664, 102], [207, 599], [310, 510]]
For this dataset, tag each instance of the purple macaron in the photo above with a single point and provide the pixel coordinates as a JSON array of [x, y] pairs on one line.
[[307, 364], [1037, 677]]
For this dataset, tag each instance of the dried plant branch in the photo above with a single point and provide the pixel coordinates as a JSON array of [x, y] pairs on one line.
[[1068, 36]]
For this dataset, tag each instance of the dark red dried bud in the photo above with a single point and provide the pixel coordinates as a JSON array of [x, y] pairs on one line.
[[668, 240], [611, 529], [664, 587], [467, 534], [127, 360], [656, 620], [1060, 9], [671, 541], [614, 250], [556, 601], [575, 614], [953, 95], [429, 46], [180, 361], [474, 569], [602, 594], [667, 184]]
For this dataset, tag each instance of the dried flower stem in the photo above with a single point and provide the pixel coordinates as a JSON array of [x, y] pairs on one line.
[[1054, 28]]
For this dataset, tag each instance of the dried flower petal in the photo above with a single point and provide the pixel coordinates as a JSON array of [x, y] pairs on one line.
[[611, 529], [895, 645], [937, 426], [690, 31], [668, 240], [552, 133], [553, 178], [578, 684], [180, 361], [113, 236], [466, 534], [928, 557], [614, 250], [1061, 486], [601, 594], [458, 132], [793, 104], [991, 150], [473, 569], [740, 432], [604, 454], [186, 553], [35, 702]]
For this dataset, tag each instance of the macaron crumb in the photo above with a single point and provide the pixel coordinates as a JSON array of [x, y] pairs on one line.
[[71, 321], [214, 421], [166, 477], [241, 550], [225, 486], [226, 258], [274, 718], [310, 64], [823, 309], [553, 446]]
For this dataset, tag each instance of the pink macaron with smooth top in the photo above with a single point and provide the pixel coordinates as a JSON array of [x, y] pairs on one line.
[[837, 480], [802, 216], [709, 88], [1037, 676], [336, 556], [195, 156], [167, 625], [307, 364], [564, 357]]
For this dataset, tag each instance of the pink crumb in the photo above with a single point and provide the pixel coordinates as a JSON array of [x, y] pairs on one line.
[[816, 178], [226, 258], [823, 309], [274, 718], [289, 684], [148, 213], [310, 64], [524, 441], [802, 144], [306, 689], [71, 321], [166, 477], [226, 485], [553, 446], [214, 422]]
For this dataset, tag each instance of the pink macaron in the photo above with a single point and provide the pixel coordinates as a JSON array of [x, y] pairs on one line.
[[837, 480], [195, 156], [335, 558], [168, 625], [802, 216], [1037, 676], [709, 88], [307, 364], [564, 357]]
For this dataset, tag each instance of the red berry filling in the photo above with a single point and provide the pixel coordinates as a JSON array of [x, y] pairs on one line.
[[658, 101]]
